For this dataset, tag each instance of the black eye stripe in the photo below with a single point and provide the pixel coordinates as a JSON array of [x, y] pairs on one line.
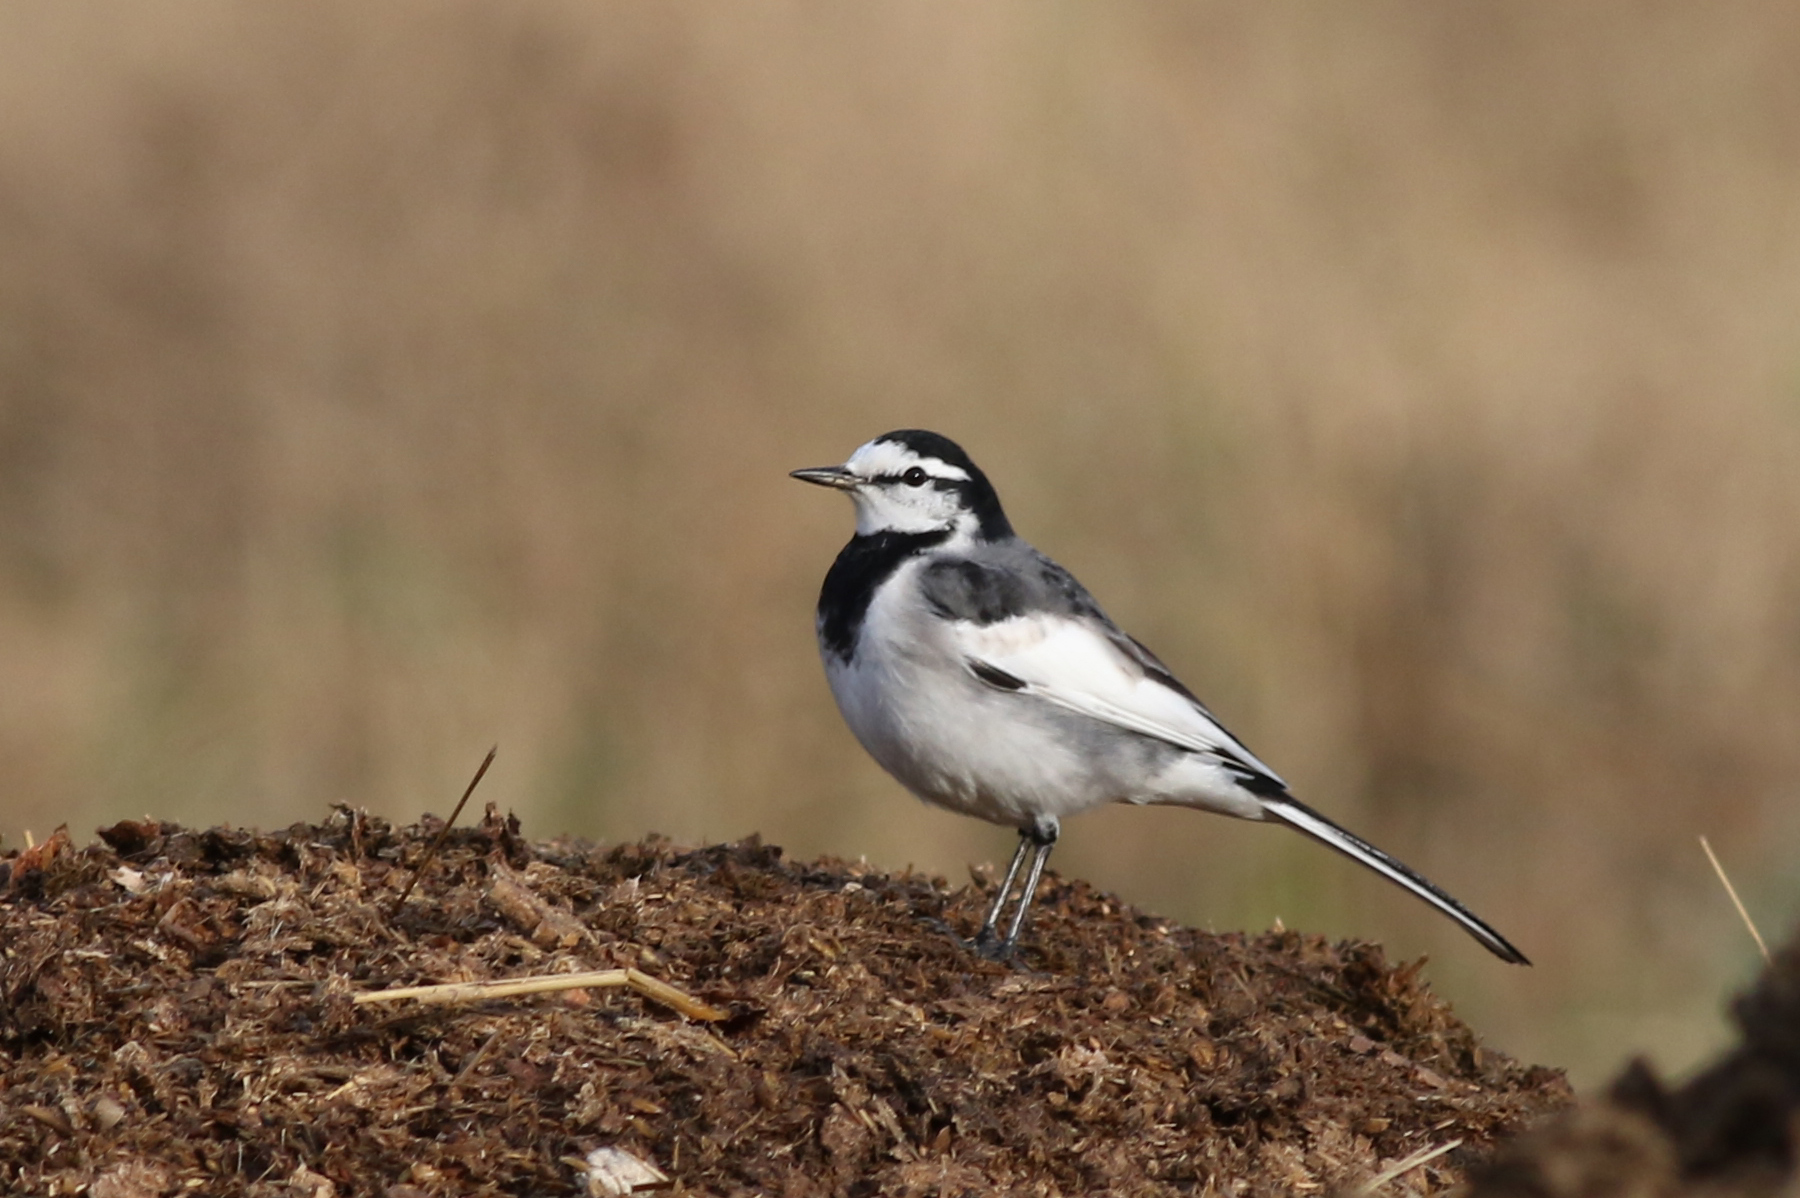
[[942, 484]]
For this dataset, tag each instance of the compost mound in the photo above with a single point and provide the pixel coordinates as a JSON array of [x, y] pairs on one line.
[[1732, 1131], [177, 1016]]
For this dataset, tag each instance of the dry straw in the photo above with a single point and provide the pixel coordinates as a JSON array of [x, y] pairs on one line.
[[1735, 900], [471, 992], [1405, 1165]]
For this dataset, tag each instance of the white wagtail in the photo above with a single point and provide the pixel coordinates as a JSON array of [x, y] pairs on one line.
[[980, 674]]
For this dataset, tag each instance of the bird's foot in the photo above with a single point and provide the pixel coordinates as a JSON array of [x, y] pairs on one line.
[[990, 947]]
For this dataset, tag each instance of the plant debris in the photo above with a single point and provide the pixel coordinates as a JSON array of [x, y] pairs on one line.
[[179, 1014], [546, 983]]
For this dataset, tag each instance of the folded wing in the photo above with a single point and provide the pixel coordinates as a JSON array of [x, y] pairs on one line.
[[1082, 664], [1036, 632]]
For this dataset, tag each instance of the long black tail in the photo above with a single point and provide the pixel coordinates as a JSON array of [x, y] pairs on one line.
[[1296, 814]]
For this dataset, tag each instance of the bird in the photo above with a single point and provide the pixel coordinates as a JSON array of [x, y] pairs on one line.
[[987, 681]]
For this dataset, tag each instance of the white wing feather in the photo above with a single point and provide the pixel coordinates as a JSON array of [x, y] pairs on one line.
[[1075, 665]]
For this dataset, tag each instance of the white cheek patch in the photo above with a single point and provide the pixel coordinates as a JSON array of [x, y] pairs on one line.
[[890, 505], [880, 510]]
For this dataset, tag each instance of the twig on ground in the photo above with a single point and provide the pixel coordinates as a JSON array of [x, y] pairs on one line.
[[431, 853], [474, 1060], [1406, 1165], [1736, 901], [470, 992]]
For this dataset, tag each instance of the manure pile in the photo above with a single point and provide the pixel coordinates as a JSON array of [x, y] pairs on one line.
[[177, 1016], [1731, 1131]]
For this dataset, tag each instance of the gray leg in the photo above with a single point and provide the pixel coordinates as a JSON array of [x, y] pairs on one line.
[[986, 937], [1026, 895], [1040, 837]]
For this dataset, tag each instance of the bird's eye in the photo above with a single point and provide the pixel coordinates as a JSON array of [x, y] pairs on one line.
[[914, 477]]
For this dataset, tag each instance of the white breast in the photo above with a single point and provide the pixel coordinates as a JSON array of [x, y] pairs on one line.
[[950, 739]]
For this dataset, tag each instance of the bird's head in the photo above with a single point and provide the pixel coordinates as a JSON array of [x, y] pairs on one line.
[[913, 481]]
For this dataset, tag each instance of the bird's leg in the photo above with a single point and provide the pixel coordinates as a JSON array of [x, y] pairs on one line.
[[1043, 836], [986, 938], [1039, 838]]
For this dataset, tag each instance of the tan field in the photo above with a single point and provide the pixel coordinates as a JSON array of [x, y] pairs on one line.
[[382, 382]]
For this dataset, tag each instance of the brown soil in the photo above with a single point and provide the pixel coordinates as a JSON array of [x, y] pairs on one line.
[[176, 1017]]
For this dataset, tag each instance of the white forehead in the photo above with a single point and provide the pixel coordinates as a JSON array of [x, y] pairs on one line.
[[879, 458]]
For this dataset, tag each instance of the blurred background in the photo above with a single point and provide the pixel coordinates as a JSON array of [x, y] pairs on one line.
[[379, 382]]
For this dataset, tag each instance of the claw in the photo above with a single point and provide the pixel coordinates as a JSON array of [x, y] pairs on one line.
[[990, 947]]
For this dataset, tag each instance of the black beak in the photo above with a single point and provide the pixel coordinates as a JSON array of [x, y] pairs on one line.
[[828, 476]]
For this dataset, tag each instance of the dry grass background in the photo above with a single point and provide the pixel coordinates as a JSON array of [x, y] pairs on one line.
[[378, 382]]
